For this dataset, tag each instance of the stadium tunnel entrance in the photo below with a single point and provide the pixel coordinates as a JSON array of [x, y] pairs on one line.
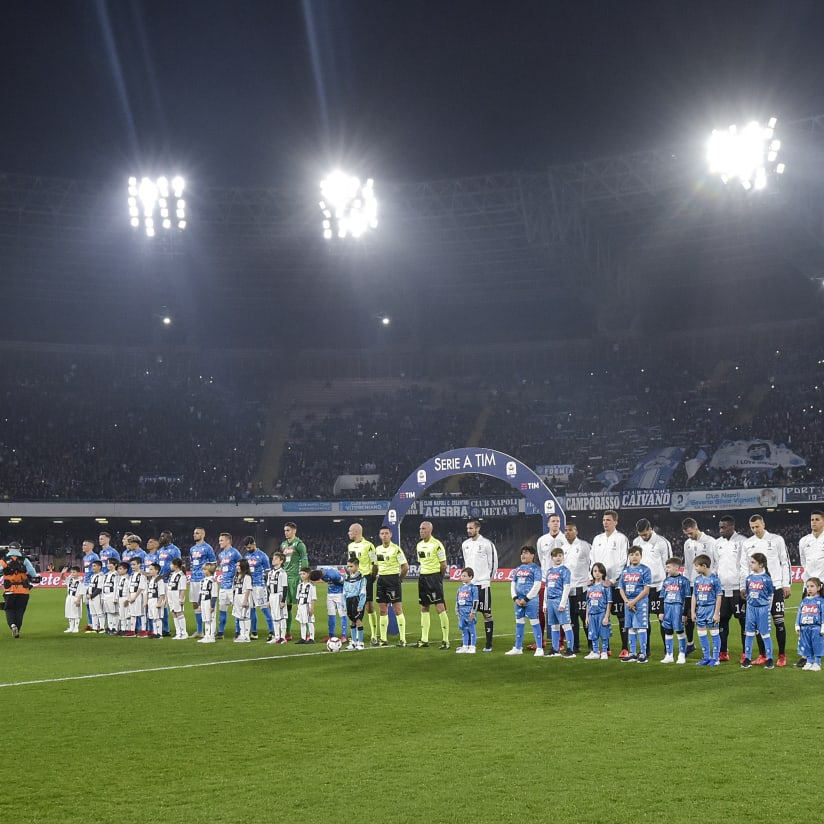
[[540, 499]]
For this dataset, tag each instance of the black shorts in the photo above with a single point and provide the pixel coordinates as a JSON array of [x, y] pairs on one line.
[[389, 589], [352, 611], [578, 602], [618, 605], [430, 589], [484, 599], [688, 608], [656, 605], [370, 588], [732, 606]]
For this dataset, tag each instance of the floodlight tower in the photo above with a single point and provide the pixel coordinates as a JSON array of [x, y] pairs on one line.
[[749, 154], [152, 201], [349, 207]]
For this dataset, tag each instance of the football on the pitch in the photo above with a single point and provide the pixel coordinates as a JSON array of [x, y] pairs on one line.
[[334, 644]]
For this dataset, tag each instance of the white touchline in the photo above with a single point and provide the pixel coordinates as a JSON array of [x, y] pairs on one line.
[[165, 669]]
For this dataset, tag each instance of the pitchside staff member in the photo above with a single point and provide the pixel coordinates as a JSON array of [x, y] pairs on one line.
[[392, 568], [697, 543], [778, 563], [576, 558], [432, 559], [363, 551], [18, 576], [610, 548], [729, 548], [655, 550], [480, 555]]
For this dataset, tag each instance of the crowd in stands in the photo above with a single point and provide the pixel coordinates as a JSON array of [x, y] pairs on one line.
[[115, 428]]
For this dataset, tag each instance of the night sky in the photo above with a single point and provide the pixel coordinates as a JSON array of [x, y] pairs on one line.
[[274, 94], [262, 93]]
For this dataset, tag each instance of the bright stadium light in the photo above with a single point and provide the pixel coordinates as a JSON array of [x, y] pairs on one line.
[[157, 198], [348, 206], [749, 154]]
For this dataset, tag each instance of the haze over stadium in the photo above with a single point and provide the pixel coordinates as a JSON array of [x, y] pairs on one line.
[[263, 261]]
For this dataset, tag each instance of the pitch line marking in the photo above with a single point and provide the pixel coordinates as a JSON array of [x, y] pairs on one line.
[[166, 669]]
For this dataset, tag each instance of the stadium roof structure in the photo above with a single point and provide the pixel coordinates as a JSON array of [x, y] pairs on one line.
[[602, 231]]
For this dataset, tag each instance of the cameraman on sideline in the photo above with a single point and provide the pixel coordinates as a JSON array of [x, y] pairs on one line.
[[18, 574]]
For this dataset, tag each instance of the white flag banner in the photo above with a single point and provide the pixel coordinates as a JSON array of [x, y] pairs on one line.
[[754, 455]]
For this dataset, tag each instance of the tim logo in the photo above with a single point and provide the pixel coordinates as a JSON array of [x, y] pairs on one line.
[[530, 485], [422, 477], [392, 516], [406, 495], [511, 470], [549, 507]]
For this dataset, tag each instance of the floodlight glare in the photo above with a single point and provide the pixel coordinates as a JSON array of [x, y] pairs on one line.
[[149, 195], [748, 154], [348, 206]]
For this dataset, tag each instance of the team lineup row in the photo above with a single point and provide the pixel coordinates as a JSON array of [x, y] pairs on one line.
[[386, 567]]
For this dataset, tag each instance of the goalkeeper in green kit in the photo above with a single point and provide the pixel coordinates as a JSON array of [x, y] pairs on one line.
[[294, 550]]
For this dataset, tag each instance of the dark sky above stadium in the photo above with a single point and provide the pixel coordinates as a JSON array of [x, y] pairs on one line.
[[259, 93]]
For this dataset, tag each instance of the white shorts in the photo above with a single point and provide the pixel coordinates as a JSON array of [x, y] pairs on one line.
[[303, 614], [123, 609], [73, 610], [225, 599], [260, 597], [239, 611], [175, 604], [155, 612], [194, 592], [335, 604], [110, 605], [136, 607], [96, 605], [206, 610], [279, 612]]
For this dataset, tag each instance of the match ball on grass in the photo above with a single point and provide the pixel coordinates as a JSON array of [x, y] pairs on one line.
[[334, 644]]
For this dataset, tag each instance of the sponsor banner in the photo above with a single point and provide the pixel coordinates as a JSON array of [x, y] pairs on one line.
[[754, 455], [645, 498], [372, 507], [560, 472], [581, 501], [803, 494], [307, 506], [655, 469], [352, 482], [466, 507], [708, 499]]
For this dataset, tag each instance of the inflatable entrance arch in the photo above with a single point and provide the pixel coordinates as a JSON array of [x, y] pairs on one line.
[[466, 461]]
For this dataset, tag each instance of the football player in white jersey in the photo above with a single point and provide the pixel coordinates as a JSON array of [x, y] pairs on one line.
[[729, 546], [610, 548], [778, 563], [655, 550], [480, 555], [576, 559]]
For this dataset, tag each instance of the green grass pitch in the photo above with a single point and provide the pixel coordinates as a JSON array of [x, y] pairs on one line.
[[188, 732]]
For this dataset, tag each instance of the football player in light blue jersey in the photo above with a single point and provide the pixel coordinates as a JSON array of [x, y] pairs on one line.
[[227, 560], [259, 565], [335, 603], [167, 551], [635, 583], [674, 593], [107, 550], [150, 555], [706, 610], [200, 553], [558, 584], [758, 594], [354, 594], [525, 587], [89, 556]]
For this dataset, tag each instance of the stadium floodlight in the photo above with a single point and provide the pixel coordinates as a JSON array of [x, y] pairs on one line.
[[749, 154], [348, 206], [147, 197]]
